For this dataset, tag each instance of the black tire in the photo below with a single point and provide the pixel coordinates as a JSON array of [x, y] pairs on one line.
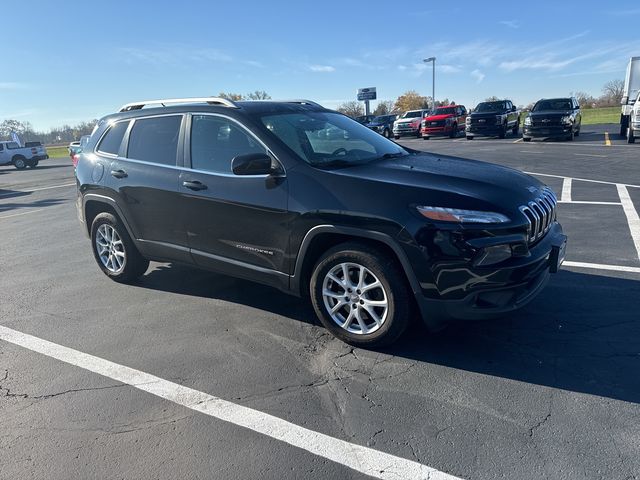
[[630, 136], [19, 162], [426, 138], [418, 133], [134, 264], [454, 131], [469, 137], [386, 133], [393, 285], [516, 129], [624, 124], [503, 132], [397, 137], [571, 136], [526, 139], [33, 164]]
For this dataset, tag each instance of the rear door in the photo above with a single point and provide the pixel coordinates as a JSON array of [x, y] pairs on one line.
[[235, 224], [144, 178]]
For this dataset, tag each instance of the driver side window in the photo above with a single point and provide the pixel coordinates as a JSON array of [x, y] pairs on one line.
[[215, 141]]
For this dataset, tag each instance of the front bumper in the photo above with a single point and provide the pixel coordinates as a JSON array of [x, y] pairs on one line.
[[403, 131], [465, 292], [489, 130], [548, 132], [432, 131]]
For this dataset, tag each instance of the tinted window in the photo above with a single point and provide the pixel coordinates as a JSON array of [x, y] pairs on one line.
[[1, 147], [111, 141], [155, 140], [216, 140]]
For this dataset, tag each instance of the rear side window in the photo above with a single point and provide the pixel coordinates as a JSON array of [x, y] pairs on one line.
[[155, 139], [111, 142]]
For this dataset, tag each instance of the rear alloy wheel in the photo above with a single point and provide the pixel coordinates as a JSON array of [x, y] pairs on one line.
[[630, 136], [32, 164], [360, 295], [114, 251], [20, 162]]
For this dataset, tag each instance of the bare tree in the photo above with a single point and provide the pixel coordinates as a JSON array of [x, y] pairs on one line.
[[258, 95], [584, 99], [234, 97], [613, 91], [492, 98], [352, 109], [384, 108]]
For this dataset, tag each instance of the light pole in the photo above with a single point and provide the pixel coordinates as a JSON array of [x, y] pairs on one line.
[[433, 91]]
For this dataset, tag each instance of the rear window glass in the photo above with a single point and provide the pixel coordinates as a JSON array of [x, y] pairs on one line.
[[111, 141], [155, 139]]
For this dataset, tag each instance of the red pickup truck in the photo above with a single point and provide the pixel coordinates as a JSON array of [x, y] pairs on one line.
[[449, 120]]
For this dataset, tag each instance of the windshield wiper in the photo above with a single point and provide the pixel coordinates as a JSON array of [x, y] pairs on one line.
[[392, 155]]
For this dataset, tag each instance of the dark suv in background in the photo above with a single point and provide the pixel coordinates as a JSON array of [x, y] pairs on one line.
[[383, 124], [368, 230], [553, 118]]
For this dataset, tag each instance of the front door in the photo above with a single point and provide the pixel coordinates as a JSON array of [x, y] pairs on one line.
[[236, 224]]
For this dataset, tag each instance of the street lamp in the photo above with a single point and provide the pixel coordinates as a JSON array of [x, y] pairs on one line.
[[433, 91]]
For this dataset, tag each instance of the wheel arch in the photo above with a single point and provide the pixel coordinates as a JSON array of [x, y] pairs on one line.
[[323, 237], [94, 204]]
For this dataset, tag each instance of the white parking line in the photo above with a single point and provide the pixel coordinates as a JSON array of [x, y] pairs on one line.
[[566, 190], [583, 179], [586, 202], [632, 216], [531, 151], [18, 214], [37, 189], [590, 155], [362, 459], [598, 266]]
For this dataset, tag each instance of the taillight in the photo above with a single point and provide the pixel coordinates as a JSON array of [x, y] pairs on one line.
[[75, 159]]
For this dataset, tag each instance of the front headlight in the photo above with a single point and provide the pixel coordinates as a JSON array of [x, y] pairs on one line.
[[566, 120], [468, 121], [500, 119], [442, 214], [527, 121]]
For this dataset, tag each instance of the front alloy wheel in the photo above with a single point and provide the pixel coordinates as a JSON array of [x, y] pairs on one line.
[[355, 298], [360, 295]]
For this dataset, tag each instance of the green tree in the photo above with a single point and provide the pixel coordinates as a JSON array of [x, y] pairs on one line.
[[410, 100]]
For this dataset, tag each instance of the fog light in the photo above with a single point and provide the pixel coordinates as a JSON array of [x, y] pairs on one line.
[[493, 255]]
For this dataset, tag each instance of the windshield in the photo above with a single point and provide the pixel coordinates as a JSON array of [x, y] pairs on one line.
[[330, 139], [381, 119], [560, 104], [446, 111], [412, 114], [490, 107]]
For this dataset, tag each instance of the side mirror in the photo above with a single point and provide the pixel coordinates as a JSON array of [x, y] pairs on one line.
[[252, 164]]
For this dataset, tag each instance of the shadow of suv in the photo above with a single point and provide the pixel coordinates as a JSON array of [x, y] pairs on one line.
[[365, 228]]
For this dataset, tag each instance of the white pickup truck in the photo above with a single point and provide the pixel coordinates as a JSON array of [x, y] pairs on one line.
[[21, 157], [633, 131]]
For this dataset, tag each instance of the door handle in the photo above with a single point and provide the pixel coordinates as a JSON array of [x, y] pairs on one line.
[[194, 185], [119, 173]]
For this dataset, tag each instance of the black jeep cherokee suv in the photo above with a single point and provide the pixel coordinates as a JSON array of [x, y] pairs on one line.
[[367, 229]]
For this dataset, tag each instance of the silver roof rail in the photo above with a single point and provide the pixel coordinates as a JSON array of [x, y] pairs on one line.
[[163, 102]]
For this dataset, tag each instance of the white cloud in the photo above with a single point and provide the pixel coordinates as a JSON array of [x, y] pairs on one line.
[[510, 23], [478, 75], [322, 68]]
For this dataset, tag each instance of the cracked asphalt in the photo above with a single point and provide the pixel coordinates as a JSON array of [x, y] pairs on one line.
[[550, 392]]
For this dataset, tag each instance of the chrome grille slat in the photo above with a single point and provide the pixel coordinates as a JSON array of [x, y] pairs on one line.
[[540, 214]]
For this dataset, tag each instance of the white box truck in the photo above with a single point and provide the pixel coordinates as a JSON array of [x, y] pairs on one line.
[[629, 94]]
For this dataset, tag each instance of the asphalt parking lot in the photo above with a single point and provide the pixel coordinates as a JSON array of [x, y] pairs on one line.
[[550, 392]]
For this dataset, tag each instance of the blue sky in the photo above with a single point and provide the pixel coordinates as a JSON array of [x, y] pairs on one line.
[[65, 62]]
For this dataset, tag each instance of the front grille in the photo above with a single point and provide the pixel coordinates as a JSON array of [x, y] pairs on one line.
[[483, 121], [541, 213], [435, 123], [545, 122]]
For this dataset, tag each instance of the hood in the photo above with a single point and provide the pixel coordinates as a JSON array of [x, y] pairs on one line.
[[409, 120], [452, 182], [443, 116]]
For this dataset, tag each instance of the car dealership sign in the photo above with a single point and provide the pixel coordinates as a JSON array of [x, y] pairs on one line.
[[366, 94]]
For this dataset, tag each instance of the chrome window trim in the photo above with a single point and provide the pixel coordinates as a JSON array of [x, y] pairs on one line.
[[242, 127]]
